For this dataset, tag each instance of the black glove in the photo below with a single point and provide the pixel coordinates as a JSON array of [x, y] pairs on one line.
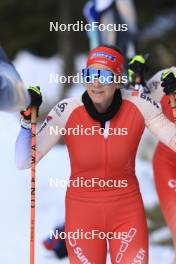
[[36, 100], [137, 69], [168, 82]]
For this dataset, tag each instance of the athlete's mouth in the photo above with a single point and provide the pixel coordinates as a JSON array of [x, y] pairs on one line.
[[97, 92]]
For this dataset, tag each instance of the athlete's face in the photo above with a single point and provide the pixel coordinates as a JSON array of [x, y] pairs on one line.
[[101, 95]]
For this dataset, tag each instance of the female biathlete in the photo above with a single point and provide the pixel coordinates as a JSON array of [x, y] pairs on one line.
[[106, 205], [164, 159]]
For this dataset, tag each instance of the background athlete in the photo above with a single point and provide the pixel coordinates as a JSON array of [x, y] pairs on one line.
[[13, 95], [164, 160], [114, 12], [160, 86]]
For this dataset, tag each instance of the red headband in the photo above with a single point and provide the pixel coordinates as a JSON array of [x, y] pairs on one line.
[[108, 57]]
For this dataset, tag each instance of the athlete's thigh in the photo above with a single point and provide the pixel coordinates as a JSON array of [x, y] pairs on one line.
[[165, 181], [84, 218], [86, 251], [132, 247]]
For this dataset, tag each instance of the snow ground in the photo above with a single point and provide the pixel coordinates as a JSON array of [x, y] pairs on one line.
[[15, 198]]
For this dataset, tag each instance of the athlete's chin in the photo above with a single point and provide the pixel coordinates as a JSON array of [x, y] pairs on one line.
[[98, 99]]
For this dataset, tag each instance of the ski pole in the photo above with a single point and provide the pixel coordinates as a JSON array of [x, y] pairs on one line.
[[173, 106], [33, 179]]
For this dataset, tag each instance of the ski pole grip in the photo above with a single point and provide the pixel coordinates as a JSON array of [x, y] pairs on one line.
[[34, 115]]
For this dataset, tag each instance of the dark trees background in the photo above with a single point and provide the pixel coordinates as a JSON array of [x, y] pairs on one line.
[[25, 25]]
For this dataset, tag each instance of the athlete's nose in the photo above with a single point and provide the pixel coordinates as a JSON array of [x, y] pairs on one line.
[[96, 83]]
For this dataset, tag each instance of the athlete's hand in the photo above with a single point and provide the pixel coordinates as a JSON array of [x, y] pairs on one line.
[[36, 100], [168, 80], [136, 70]]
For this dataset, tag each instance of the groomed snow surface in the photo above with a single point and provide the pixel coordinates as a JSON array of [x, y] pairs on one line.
[[15, 186]]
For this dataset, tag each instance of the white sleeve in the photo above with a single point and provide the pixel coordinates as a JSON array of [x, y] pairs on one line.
[[44, 142], [47, 136], [155, 120], [23, 148], [154, 85], [162, 128]]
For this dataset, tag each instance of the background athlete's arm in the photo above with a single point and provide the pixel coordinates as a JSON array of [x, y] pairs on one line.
[[154, 84]]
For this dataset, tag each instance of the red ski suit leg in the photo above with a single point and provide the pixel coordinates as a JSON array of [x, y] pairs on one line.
[[107, 212], [164, 165]]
